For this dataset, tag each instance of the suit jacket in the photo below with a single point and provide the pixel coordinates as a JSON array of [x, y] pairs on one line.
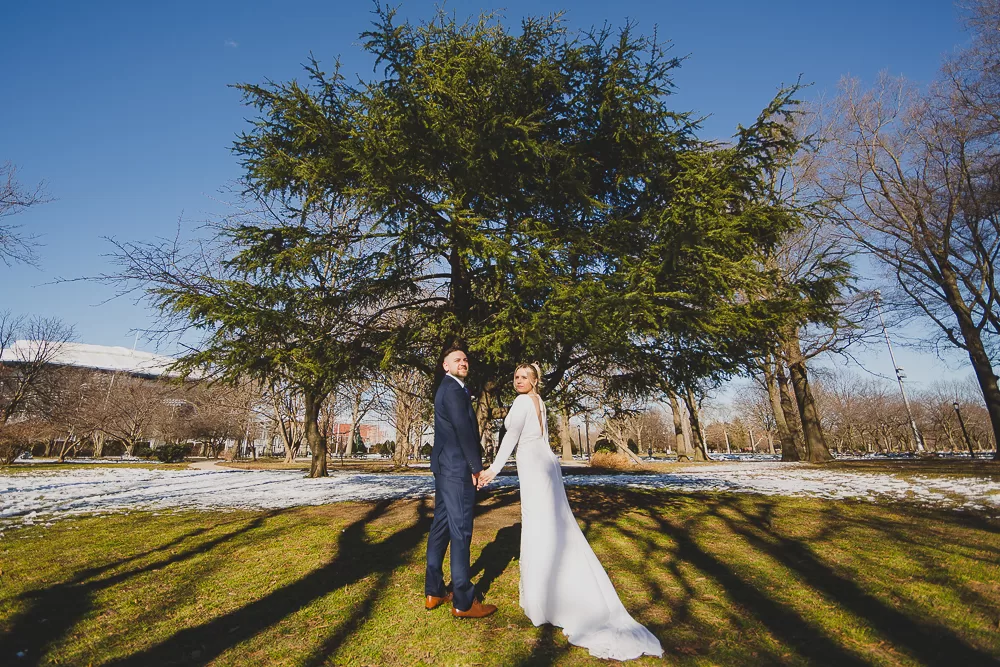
[[456, 451]]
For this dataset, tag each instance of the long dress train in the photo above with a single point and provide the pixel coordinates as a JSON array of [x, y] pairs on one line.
[[562, 582]]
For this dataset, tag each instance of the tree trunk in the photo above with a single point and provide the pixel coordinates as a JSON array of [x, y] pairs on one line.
[[984, 372], [564, 436], [404, 427], [484, 415], [355, 411], [697, 435], [317, 443], [679, 442], [788, 411], [788, 450], [812, 429], [98, 439]]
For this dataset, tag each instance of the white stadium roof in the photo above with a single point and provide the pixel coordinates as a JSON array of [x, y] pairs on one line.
[[101, 357]]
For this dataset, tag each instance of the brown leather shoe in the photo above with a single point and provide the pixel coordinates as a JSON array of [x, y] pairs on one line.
[[433, 601], [477, 610]]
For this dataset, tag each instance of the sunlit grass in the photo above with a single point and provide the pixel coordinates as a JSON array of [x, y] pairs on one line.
[[720, 579]]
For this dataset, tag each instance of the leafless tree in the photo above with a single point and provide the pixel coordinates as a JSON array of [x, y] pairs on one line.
[[28, 349], [134, 407], [916, 181], [16, 246], [756, 411], [409, 410]]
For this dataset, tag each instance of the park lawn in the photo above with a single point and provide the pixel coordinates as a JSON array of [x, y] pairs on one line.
[[721, 579]]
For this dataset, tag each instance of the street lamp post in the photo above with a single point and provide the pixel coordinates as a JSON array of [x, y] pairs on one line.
[[917, 437], [965, 432]]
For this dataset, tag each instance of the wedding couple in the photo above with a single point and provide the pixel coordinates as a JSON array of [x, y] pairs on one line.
[[562, 582]]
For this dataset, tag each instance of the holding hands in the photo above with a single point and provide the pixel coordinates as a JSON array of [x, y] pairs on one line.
[[484, 478]]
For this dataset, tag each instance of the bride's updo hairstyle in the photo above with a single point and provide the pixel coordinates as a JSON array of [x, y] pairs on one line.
[[534, 371]]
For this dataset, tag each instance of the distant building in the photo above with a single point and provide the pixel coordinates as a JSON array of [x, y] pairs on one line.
[[96, 357]]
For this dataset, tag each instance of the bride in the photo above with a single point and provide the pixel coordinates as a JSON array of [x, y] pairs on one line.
[[562, 582]]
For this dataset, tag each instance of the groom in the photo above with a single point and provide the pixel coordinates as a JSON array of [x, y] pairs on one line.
[[456, 462]]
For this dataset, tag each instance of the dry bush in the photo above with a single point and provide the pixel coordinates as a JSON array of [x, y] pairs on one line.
[[17, 438], [615, 461]]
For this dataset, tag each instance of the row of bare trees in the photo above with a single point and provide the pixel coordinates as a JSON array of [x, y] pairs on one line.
[[864, 415]]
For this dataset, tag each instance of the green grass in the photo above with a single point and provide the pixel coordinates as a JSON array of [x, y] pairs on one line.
[[720, 579]]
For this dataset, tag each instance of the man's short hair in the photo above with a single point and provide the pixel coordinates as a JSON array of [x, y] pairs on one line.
[[454, 347]]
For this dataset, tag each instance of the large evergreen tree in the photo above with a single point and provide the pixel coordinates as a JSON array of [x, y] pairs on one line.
[[530, 192]]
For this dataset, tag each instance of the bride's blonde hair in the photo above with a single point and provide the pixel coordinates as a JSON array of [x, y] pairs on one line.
[[535, 370]]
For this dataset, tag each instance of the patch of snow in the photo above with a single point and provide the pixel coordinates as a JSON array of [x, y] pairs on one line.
[[28, 498]]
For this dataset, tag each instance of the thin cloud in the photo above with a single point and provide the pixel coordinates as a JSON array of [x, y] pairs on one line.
[[231, 43]]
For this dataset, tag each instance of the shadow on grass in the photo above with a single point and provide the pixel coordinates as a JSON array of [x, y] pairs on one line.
[[924, 640], [357, 558], [495, 557], [52, 612], [545, 651], [915, 634]]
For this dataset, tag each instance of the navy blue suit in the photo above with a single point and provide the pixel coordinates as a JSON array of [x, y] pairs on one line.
[[456, 455]]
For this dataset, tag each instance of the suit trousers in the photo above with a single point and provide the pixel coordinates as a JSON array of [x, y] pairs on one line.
[[454, 507]]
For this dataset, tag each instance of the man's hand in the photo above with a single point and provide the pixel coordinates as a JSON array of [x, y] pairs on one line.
[[485, 477], [475, 479]]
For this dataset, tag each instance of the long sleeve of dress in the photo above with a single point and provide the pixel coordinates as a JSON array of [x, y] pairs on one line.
[[514, 423]]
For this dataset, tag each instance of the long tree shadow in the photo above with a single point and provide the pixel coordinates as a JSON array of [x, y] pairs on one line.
[[496, 556], [929, 642], [51, 612], [357, 558], [544, 652]]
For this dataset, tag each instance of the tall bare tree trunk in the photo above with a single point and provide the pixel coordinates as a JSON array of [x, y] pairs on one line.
[[679, 441], [564, 436], [317, 443], [484, 415], [355, 411], [790, 414], [812, 429], [404, 427], [98, 439], [697, 435], [980, 359], [788, 450]]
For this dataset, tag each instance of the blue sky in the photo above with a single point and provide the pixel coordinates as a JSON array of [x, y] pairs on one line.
[[124, 109]]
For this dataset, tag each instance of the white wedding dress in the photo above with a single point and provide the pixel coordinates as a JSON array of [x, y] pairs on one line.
[[562, 582]]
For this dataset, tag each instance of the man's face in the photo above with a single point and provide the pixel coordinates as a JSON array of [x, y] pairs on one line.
[[457, 364]]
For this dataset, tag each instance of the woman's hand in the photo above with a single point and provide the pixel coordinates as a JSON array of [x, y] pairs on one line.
[[485, 477]]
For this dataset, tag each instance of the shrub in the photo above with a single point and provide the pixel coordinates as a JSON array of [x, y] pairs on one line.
[[425, 450], [633, 446], [171, 452], [17, 438], [605, 445], [611, 461], [142, 450]]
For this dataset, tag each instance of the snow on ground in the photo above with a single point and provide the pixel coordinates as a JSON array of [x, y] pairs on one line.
[[27, 498]]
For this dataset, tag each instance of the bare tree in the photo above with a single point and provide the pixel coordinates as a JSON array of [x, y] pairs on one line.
[[409, 411], [28, 348], [916, 183], [15, 245], [134, 407], [286, 417], [756, 410]]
